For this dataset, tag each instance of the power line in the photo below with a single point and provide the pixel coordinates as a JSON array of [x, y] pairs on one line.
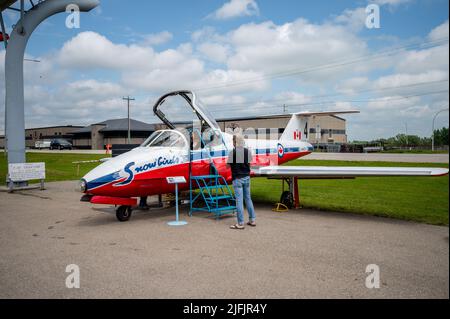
[[346, 101], [336, 64], [250, 103]]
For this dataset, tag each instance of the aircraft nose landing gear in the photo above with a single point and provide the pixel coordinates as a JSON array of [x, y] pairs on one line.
[[123, 213]]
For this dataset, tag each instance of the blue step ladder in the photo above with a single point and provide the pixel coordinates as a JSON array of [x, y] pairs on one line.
[[214, 194]]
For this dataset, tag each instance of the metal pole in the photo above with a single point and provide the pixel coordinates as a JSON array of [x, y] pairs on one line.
[[128, 99], [432, 127], [176, 200], [406, 128], [14, 92]]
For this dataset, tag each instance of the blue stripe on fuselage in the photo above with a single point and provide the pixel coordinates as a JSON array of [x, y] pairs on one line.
[[103, 180], [202, 154]]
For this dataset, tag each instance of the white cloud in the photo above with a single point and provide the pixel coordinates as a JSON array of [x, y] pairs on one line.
[[214, 51], [402, 79], [293, 97], [352, 85], [440, 32], [419, 61], [299, 45], [158, 38], [89, 50], [355, 19], [236, 8], [392, 3]]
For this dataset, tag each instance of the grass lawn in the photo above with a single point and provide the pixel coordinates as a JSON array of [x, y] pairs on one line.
[[422, 199], [59, 167]]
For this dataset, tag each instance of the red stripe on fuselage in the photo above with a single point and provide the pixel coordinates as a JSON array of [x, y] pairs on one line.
[[154, 182]]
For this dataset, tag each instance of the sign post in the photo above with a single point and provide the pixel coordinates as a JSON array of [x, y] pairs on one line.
[[21, 172], [176, 180]]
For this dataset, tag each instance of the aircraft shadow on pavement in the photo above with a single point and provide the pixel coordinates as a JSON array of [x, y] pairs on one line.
[[154, 213]]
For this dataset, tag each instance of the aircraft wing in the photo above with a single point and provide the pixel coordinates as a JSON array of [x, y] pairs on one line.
[[325, 113], [345, 172]]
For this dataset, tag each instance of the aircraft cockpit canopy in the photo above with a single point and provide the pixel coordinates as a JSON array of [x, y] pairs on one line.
[[184, 109]]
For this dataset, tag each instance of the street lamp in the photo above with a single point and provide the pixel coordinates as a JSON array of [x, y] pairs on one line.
[[432, 131]]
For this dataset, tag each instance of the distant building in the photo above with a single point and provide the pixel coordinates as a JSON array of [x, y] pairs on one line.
[[323, 132], [97, 136], [45, 133]]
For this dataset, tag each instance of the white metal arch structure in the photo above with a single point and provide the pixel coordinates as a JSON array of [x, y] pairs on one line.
[[14, 108]]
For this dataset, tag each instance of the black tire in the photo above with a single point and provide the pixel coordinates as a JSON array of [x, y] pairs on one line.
[[123, 213], [287, 199], [61, 148]]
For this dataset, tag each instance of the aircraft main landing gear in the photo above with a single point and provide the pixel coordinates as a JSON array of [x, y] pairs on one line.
[[290, 198], [123, 213], [287, 199]]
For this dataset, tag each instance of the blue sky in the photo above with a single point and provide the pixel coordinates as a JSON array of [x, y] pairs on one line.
[[232, 51], [122, 23]]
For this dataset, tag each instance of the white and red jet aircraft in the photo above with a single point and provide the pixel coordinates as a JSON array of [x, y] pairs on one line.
[[184, 152]]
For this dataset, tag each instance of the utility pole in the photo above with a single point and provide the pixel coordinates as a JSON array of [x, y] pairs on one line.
[[432, 129], [284, 108], [406, 129], [128, 99]]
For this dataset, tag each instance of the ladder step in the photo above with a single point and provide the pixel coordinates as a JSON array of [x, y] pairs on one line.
[[219, 209], [216, 198], [216, 187]]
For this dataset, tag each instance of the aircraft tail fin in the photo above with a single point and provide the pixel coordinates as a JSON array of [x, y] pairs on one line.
[[297, 127]]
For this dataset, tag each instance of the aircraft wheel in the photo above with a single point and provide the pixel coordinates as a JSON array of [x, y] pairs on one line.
[[287, 199], [123, 213]]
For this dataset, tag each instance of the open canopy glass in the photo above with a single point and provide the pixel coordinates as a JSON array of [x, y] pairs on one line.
[[183, 108]]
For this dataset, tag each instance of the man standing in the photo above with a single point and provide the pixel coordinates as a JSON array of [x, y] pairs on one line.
[[239, 160]]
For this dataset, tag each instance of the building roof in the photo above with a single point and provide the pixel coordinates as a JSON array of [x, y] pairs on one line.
[[55, 127], [120, 125]]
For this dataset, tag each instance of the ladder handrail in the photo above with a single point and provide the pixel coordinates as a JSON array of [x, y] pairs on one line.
[[214, 183]]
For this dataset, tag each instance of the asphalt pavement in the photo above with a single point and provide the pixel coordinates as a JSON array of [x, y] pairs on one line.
[[299, 254]]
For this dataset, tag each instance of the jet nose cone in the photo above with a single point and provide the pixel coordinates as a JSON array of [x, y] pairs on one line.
[[83, 185]]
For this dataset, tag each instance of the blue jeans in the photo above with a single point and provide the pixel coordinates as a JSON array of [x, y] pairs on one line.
[[242, 192]]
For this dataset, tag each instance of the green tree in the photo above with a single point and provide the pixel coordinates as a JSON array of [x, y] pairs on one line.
[[441, 137]]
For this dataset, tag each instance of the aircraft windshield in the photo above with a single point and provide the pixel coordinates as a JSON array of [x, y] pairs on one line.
[[203, 110], [165, 139]]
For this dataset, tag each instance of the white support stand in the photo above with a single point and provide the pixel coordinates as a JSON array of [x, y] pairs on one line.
[[176, 180]]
